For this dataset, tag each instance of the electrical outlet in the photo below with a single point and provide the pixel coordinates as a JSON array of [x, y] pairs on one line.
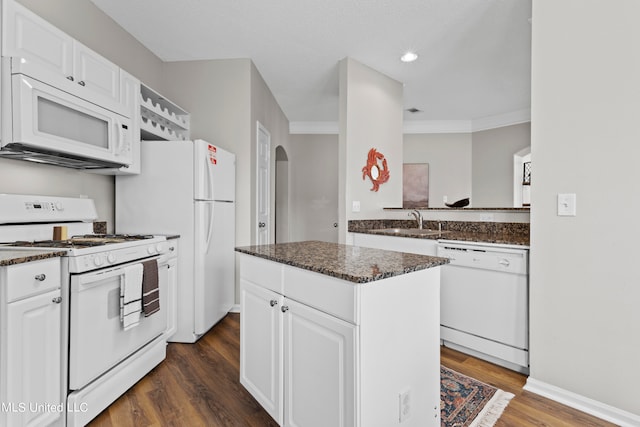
[[355, 206], [404, 405]]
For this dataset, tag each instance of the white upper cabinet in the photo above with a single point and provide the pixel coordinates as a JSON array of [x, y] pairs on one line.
[[96, 73], [36, 43], [40, 50]]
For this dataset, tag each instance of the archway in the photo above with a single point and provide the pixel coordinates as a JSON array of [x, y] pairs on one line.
[[282, 196]]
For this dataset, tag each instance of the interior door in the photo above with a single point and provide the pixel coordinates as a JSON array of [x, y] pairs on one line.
[[262, 185]]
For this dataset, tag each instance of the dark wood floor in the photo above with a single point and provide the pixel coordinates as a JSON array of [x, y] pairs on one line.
[[197, 385]]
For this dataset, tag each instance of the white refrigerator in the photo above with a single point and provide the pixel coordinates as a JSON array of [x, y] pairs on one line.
[[187, 188]]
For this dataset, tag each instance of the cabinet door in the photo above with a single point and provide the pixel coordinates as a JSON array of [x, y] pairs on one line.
[[33, 346], [96, 73], [261, 346], [42, 49], [319, 368], [172, 291]]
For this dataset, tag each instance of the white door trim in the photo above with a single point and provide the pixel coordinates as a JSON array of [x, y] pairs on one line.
[[263, 186]]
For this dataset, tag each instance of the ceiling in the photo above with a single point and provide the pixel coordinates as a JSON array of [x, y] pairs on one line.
[[474, 55]]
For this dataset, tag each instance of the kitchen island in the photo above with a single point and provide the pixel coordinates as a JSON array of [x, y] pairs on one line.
[[336, 335]]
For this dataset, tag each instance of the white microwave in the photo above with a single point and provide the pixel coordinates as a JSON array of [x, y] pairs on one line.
[[52, 126]]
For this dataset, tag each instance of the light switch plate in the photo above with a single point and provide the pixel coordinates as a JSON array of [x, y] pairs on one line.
[[567, 204], [355, 206]]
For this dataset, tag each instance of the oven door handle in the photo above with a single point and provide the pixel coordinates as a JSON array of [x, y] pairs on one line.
[[89, 280]]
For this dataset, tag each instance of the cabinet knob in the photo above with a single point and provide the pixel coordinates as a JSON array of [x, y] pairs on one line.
[[284, 308], [57, 300], [81, 83], [335, 225], [70, 78], [171, 249], [40, 277], [273, 302], [262, 225]]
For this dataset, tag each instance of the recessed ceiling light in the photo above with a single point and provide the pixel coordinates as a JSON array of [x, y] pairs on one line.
[[409, 57]]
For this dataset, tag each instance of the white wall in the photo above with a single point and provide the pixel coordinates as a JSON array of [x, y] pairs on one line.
[[585, 284], [370, 117], [314, 187], [83, 21], [492, 160], [449, 158]]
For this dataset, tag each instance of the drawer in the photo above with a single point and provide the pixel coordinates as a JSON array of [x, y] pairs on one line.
[[22, 279], [261, 272], [325, 293]]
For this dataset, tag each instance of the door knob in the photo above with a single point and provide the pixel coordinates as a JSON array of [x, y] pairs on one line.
[[273, 302], [284, 308]]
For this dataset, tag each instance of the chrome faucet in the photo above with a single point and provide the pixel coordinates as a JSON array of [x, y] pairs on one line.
[[418, 216]]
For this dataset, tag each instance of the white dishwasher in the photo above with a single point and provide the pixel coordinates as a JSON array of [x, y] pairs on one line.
[[484, 302]]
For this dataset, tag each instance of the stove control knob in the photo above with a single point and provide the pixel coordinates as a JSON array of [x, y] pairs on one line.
[[111, 258], [59, 206], [151, 250], [97, 261], [159, 247]]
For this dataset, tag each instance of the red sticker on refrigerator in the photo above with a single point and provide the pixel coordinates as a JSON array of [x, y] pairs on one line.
[[212, 154]]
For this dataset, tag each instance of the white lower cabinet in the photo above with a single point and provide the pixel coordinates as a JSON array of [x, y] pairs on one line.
[[319, 368], [31, 345], [261, 346], [172, 289], [316, 351]]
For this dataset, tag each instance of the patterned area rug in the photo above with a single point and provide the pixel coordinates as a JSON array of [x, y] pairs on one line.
[[466, 402]]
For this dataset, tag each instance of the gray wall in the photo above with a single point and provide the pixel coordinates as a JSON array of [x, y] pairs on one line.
[[265, 109], [585, 292], [370, 117], [217, 94], [83, 21], [492, 160], [450, 163]]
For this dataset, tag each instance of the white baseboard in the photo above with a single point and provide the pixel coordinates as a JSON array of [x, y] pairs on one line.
[[582, 403], [235, 308]]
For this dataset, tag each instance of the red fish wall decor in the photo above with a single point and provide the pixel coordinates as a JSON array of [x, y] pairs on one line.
[[377, 173]]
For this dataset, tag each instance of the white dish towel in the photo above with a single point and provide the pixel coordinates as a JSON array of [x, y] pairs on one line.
[[130, 296]]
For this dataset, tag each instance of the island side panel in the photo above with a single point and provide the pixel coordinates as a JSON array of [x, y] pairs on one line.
[[400, 349]]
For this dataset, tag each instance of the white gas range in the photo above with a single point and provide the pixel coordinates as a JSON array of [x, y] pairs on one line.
[[102, 356]]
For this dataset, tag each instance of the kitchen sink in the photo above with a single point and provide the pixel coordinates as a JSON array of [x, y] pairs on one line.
[[407, 231]]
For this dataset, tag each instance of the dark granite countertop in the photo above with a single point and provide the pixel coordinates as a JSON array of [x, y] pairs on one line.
[[464, 231], [351, 263], [18, 256]]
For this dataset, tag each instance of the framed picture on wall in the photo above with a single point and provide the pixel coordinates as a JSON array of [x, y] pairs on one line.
[[415, 185]]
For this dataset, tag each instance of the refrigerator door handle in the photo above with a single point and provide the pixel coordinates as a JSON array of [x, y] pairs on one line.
[[209, 178], [207, 243]]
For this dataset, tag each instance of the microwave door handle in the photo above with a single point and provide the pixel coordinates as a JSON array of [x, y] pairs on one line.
[[119, 136]]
